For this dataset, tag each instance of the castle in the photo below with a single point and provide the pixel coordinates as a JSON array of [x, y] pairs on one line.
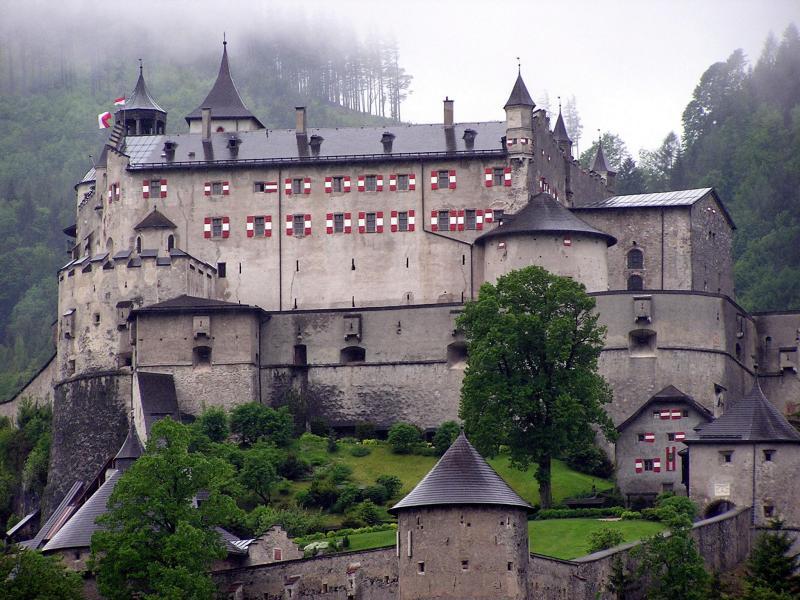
[[326, 267]]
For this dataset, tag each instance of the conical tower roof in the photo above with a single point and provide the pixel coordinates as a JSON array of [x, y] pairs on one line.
[[224, 99], [519, 94], [461, 476], [753, 418], [140, 98], [599, 164], [560, 131], [545, 214], [130, 450]]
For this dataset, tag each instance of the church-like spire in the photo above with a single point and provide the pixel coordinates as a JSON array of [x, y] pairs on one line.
[[599, 164], [560, 131], [140, 97], [141, 114], [519, 94]]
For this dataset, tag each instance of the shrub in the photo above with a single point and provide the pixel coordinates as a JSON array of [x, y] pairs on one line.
[[363, 513], [445, 436], [591, 460], [332, 445], [293, 467], [631, 515], [338, 473], [370, 442], [669, 508], [424, 449], [376, 493], [403, 437], [359, 451], [294, 521], [348, 496], [213, 423], [392, 483], [348, 439], [322, 493], [605, 538], [252, 422], [365, 430], [575, 513]]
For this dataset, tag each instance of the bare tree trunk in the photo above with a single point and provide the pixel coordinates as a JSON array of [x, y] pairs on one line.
[[543, 477]]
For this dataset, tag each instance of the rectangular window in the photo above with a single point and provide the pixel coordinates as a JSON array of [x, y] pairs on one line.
[[402, 183], [470, 221], [216, 188], [338, 223], [444, 219], [769, 511], [497, 175], [465, 565], [371, 222], [297, 185], [216, 227], [277, 554], [421, 568], [259, 187], [648, 464], [402, 221], [155, 187], [371, 183], [671, 437], [443, 179], [768, 454], [640, 437], [656, 414], [258, 226], [726, 456], [222, 270], [685, 413], [298, 225], [337, 184], [498, 215]]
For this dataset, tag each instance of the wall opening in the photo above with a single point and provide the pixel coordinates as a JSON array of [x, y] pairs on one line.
[[170, 242], [718, 507], [138, 245], [300, 355], [635, 283], [201, 356], [457, 355], [352, 354], [642, 342], [635, 259]]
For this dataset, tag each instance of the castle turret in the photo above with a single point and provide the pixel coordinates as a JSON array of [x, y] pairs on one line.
[[519, 115], [462, 532], [600, 166], [561, 136], [227, 110], [141, 114]]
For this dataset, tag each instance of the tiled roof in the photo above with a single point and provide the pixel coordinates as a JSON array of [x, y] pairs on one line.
[[677, 198], [184, 302], [668, 395], [519, 94], [78, 531], [753, 418], [155, 220], [461, 476], [545, 214], [340, 144], [60, 514], [140, 98]]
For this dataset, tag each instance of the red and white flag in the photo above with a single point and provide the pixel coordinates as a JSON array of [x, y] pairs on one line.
[[119, 101], [103, 120]]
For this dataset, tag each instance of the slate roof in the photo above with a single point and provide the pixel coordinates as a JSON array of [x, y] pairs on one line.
[[158, 396], [140, 98], [599, 164], [342, 144], [519, 94], [59, 516], [560, 130], [544, 214], [753, 418], [461, 476], [668, 395], [224, 99], [193, 303], [131, 448], [78, 531], [155, 220]]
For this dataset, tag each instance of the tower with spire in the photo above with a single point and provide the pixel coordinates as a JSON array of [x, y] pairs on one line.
[[519, 119], [141, 114], [226, 109], [561, 136], [600, 166]]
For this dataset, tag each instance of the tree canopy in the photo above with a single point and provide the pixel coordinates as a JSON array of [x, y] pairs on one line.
[[29, 575], [531, 381]]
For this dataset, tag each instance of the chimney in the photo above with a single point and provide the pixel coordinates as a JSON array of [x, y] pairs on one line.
[[300, 120], [448, 112], [206, 123]]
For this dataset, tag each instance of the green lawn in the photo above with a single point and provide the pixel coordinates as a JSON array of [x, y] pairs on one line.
[[561, 538]]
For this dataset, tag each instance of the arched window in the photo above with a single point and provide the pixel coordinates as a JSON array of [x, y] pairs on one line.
[[110, 246], [138, 245], [635, 283], [352, 354], [170, 242], [635, 259]]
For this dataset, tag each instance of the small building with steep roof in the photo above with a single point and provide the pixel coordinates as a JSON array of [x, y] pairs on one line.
[[749, 456], [462, 532]]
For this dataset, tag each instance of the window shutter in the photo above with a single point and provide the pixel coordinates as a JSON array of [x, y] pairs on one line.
[[207, 227], [488, 177], [434, 180], [329, 223], [226, 227], [379, 222], [639, 465], [362, 222], [656, 465], [226, 188], [250, 226], [145, 189], [676, 414], [346, 186], [348, 223], [649, 437], [392, 183], [328, 185], [379, 183], [411, 220], [207, 188], [393, 220], [412, 182], [460, 220], [267, 226], [479, 219], [307, 185], [488, 216], [163, 188], [507, 177], [665, 414], [452, 185], [680, 436], [361, 183], [434, 220], [307, 224], [289, 224], [287, 186], [453, 220], [270, 187]]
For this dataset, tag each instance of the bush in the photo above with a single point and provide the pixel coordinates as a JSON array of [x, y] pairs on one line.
[[424, 449], [293, 467], [332, 445], [348, 439], [591, 460], [605, 538], [253, 422], [403, 437], [376, 493], [576, 513], [669, 508], [365, 430], [359, 451], [337, 473], [294, 521], [445, 436], [631, 515], [392, 483], [363, 513], [348, 496], [322, 493], [213, 423], [371, 442]]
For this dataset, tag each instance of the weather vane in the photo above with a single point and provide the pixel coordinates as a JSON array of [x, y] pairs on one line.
[[519, 66]]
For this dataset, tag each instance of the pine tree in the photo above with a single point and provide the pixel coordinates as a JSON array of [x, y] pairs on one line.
[[771, 567]]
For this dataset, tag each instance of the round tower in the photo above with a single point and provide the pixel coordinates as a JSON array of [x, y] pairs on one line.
[[141, 114], [519, 119], [462, 532], [546, 234]]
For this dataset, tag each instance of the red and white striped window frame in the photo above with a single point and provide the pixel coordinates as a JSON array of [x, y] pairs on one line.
[[362, 222], [251, 225], [394, 220], [451, 178], [208, 227], [330, 223], [224, 188], [147, 192], [489, 173], [290, 224]]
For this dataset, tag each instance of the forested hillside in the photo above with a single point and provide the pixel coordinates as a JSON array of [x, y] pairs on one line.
[[51, 94]]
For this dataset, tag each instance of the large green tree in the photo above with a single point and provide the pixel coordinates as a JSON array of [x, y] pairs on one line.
[[531, 381], [772, 569], [155, 543], [28, 575]]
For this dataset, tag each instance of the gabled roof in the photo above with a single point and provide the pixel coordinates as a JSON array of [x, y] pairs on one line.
[[545, 214], [519, 94], [224, 99], [155, 220], [461, 476], [140, 98], [560, 130], [599, 164], [193, 303], [753, 418], [131, 448], [669, 395]]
